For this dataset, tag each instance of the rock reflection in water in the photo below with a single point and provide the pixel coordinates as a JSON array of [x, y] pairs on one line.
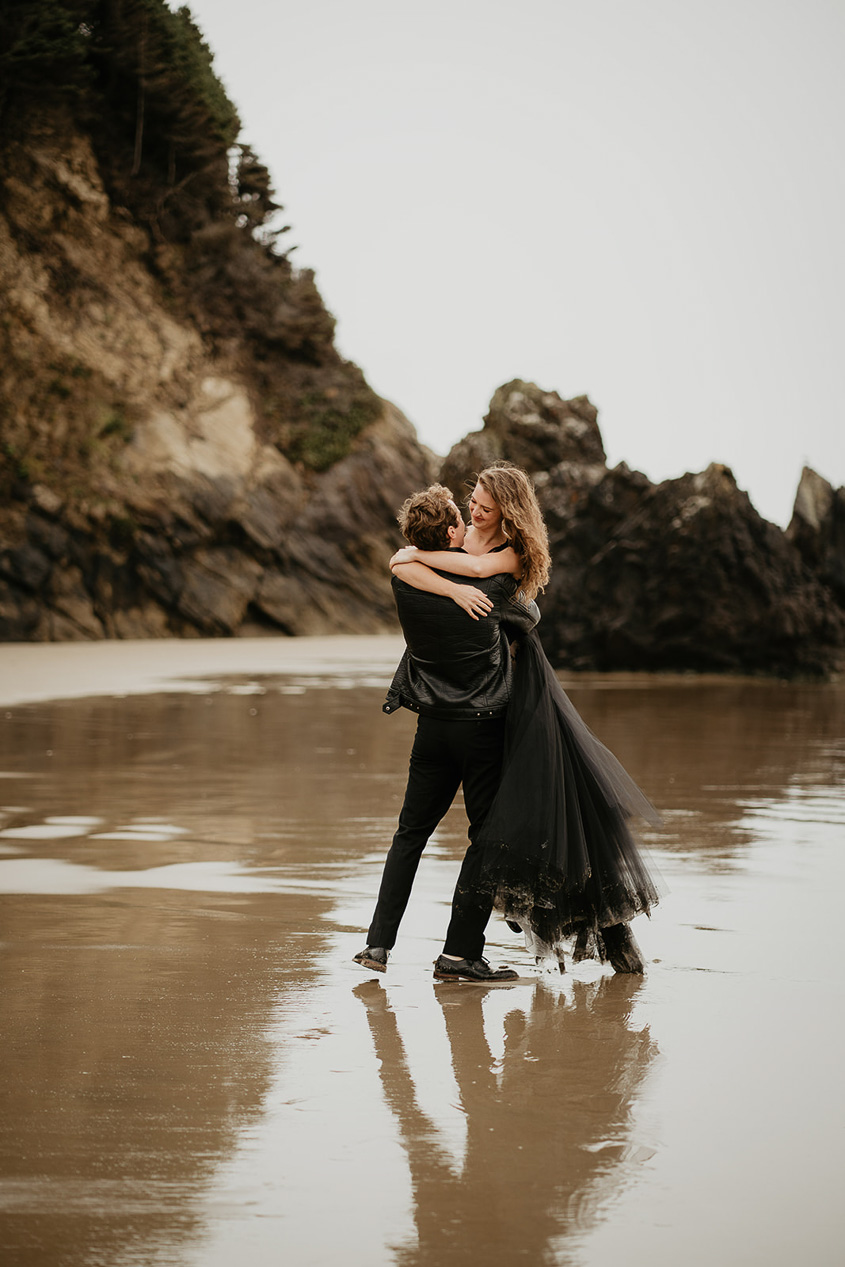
[[546, 1123], [703, 748]]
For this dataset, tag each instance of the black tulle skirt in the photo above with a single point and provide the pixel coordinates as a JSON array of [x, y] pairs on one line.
[[557, 847]]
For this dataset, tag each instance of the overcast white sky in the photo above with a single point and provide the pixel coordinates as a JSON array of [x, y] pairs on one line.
[[641, 200]]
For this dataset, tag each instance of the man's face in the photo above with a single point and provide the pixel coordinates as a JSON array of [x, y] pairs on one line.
[[459, 531]]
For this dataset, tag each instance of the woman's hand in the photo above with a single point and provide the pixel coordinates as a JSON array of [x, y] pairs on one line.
[[473, 601], [408, 554]]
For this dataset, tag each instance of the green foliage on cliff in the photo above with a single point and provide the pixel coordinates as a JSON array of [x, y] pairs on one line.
[[43, 48], [138, 78], [327, 431], [146, 63]]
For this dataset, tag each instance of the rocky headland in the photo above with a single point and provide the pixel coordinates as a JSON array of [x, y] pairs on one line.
[[182, 449], [679, 575], [183, 452]]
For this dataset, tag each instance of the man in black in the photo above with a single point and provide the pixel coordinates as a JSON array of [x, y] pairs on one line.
[[456, 675]]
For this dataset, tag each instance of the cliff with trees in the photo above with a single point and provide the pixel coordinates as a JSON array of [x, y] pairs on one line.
[[182, 448]]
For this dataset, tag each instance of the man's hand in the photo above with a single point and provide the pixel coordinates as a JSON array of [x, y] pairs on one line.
[[473, 601], [407, 554]]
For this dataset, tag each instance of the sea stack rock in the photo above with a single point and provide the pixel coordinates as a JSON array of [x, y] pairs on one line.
[[536, 429], [682, 575], [817, 529]]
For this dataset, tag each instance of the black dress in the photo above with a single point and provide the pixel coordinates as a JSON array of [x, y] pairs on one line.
[[557, 848]]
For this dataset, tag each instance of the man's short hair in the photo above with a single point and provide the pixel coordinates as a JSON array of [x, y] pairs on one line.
[[425, 518]]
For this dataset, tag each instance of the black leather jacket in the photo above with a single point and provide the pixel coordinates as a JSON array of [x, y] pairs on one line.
[[454, 666]]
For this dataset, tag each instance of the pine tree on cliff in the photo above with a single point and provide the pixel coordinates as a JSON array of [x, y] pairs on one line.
[[44, 48], [138, 77]]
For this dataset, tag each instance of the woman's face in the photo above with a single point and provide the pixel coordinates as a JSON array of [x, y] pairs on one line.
[[484, 512]]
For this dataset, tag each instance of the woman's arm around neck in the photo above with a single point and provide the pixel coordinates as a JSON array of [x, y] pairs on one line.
[[462, 564]]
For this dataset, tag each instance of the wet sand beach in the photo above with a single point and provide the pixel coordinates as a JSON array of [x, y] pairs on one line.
[[194, 1071]]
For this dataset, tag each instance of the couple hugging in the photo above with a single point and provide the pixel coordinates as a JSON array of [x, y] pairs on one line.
[[548, 804]]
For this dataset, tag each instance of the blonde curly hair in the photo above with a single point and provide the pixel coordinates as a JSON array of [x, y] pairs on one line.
[[522, 521]]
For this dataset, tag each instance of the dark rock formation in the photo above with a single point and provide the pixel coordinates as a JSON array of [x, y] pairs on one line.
[[263, 550], [817, 530], [535, 429], [679, 575]]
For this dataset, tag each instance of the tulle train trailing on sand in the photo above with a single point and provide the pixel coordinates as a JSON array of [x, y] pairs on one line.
[[556, 845]]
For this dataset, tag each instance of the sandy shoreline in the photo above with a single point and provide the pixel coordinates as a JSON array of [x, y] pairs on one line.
[[33, 672]]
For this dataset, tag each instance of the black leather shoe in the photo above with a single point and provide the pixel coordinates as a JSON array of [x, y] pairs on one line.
[[374, 957], [470, 970], [622, 950]]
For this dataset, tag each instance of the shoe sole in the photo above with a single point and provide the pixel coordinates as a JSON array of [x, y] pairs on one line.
[[371, 964], [457, 976]]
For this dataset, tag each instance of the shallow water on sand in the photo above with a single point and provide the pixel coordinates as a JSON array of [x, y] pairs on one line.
[[195, 1072]]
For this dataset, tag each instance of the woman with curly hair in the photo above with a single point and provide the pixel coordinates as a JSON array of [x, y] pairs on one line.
[[558, 850]]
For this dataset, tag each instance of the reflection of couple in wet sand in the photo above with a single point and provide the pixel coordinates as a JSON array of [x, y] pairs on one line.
[[547, 1124], [548, 805]]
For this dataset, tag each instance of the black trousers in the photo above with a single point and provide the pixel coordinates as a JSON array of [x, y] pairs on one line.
[[445, 755]]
